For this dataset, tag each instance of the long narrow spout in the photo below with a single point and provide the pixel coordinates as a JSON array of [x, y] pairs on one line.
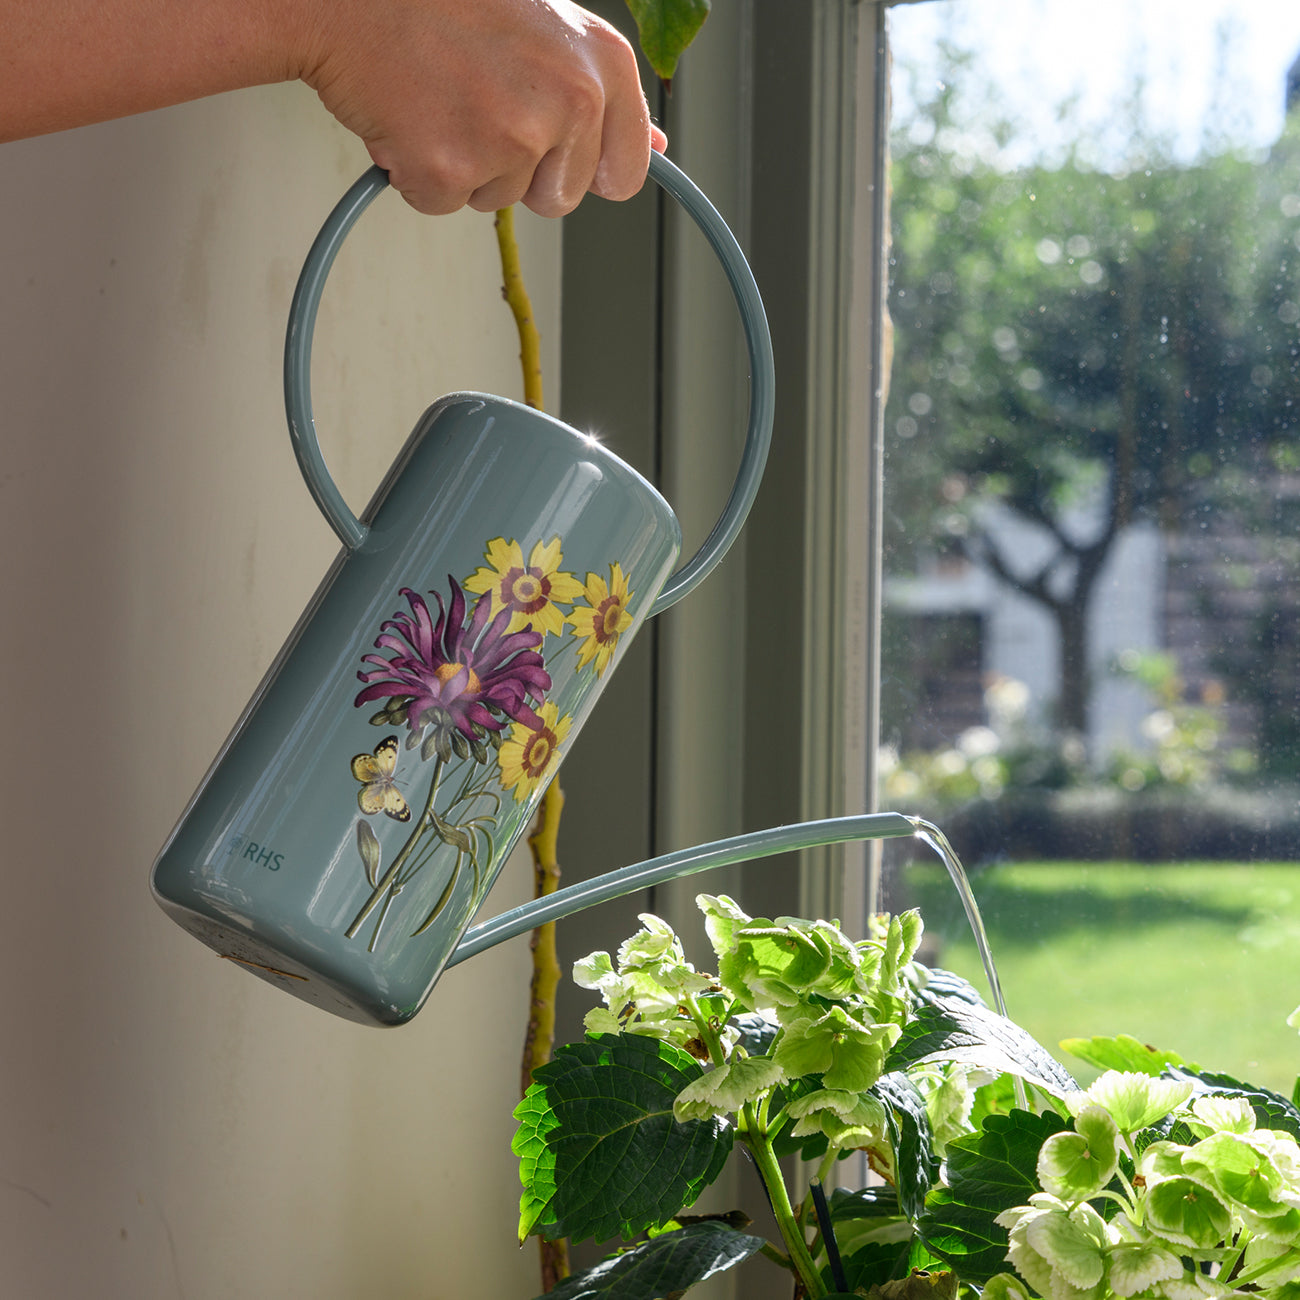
[[673, 866]]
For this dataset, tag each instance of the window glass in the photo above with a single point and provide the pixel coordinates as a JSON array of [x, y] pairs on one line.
[[1091, 673]]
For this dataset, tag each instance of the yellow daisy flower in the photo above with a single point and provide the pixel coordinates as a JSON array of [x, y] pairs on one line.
[[528, 758], [604, 619], [532, 591]]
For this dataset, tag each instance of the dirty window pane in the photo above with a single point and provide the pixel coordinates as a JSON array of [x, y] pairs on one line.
[[1092, 438]]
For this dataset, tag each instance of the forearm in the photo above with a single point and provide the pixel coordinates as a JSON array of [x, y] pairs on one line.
[[66, 63], [485, 102]]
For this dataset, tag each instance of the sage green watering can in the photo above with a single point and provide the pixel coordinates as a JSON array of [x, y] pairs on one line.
[[359, 813]]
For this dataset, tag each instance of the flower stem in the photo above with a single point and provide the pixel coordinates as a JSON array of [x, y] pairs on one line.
[[388, 882], [770, 1172]]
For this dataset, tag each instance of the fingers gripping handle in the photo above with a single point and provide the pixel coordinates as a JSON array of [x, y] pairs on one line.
[[302, 324]]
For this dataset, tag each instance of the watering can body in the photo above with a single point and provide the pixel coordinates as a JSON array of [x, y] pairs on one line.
[[289, 861], [355, 820]]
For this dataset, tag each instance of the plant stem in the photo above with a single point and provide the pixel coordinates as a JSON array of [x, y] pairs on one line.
[[516, 295], [770, 1172], [827, 1165], [708, 1034], [769, 1251], [390, 876], [539, 1038]]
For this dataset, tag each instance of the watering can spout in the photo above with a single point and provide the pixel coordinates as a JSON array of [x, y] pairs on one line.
[[674, 866]]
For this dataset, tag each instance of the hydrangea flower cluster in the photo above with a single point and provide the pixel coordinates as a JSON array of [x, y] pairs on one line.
[[1211, 1210], [1160, 1181], [792, 1000]]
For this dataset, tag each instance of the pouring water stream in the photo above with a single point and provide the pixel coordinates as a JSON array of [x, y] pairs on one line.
[[931, 835]]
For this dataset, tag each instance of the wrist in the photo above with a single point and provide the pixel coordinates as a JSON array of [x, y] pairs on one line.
[[283, 37]]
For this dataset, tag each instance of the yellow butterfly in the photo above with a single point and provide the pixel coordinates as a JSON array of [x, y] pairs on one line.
[[379, 792]]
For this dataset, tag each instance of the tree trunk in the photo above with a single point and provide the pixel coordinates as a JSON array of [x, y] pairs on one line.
[[1072, 630]]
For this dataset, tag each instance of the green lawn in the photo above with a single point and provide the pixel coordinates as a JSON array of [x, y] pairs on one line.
[[1203, 959]]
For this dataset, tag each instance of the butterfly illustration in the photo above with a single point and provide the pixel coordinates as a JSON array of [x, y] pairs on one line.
[[379, 792]]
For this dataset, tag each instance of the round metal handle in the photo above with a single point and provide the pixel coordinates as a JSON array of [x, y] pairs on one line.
[[302, 324]]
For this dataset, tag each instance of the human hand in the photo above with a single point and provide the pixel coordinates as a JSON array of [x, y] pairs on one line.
[[486, 102]]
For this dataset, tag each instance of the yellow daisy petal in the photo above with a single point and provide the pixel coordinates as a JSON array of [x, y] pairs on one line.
[[546, 555], [603, 620], [528, 759], [533, 593]]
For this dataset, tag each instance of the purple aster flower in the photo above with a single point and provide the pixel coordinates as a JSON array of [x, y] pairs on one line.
[[459, 675]]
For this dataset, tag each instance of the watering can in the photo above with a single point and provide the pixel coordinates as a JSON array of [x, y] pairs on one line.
[[357, 816]]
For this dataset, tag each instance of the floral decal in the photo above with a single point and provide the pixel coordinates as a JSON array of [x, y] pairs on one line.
[[531, 754], [604, 619], [477, 688], [533, 593], [453, 676]]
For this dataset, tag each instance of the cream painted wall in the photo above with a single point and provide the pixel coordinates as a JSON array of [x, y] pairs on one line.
[[169, 1125]]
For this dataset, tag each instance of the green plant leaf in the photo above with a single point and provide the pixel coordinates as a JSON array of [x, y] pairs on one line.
[[1239, 1172], [663, 1266], [866, 1203], [1271, 1109], [846, 1053], [666, 28], [1123, 1052], [727, 1088], [1076, 1166], [990, 1171], [1187, 1212], [757, 1031], [1133, 1101], [1005, 1286], [785, 1143], [954, 1028], [600, 1154], [1071, 1243], [874, 1264], [919, 1284], [916, 1165]]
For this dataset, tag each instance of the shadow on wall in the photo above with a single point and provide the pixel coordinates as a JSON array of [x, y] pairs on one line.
[[172, 1126]]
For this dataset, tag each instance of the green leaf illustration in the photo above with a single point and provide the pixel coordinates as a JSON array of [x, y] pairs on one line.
[[666, 28], [600, 1154], [988, 1172], [368, 846], [664, 1266]]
